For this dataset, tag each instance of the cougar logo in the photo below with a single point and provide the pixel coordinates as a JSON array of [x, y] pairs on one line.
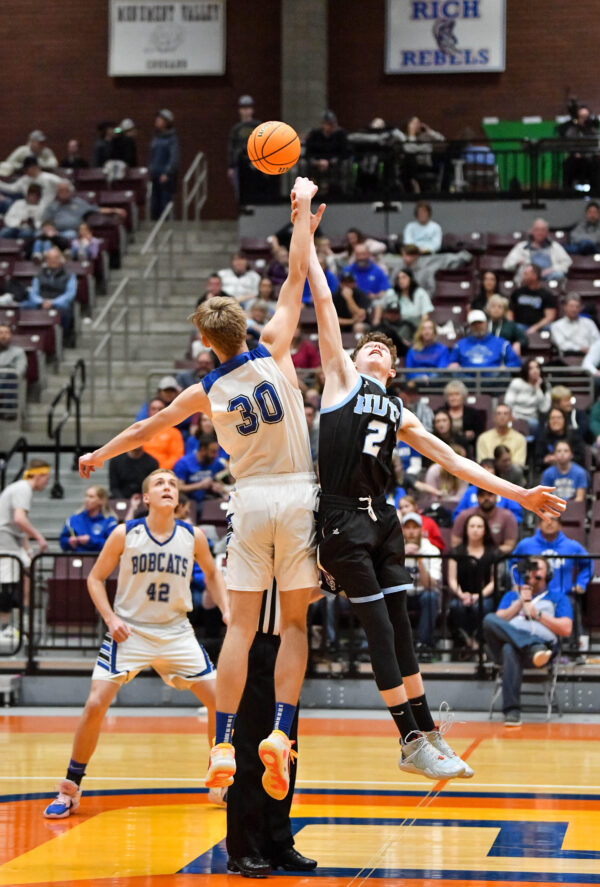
[[446, 39]]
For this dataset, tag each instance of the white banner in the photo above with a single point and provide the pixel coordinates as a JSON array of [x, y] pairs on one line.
[[445, 36], [149, 39]]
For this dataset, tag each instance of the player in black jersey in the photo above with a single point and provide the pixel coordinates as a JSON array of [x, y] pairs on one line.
[[361, 547]]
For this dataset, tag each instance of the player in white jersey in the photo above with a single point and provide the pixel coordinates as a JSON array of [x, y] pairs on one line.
[[256, 407], [148, 625]]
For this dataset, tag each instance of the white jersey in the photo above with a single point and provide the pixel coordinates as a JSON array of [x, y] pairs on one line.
[[258, 416], [154, 577]]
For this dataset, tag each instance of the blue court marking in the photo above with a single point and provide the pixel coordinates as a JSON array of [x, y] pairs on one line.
[[515, 839]]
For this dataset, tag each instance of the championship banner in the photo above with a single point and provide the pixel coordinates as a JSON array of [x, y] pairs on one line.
[[178, 38], [445, 36]]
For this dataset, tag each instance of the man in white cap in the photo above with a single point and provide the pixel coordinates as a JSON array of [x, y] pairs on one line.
[[481, 349], [36, 146]]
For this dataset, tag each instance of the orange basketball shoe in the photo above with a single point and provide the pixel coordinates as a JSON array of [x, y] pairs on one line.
[[275, 752], [221, 768]]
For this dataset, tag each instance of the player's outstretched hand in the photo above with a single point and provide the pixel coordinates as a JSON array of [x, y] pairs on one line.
[[88, 463], [543, 502], [119, 630], [303, 188]]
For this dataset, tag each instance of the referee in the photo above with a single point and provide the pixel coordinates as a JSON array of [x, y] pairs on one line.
[[259, 831]]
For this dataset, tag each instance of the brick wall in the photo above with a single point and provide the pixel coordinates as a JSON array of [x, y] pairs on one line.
[[54, 76]]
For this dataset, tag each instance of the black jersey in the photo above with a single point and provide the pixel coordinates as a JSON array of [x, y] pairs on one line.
[[357, 440]]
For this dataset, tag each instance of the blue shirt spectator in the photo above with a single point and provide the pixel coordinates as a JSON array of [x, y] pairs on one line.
[[54, 287], [197, 471], [332, 283], [435, 355], [86, 531], [570, 479], [469, 500], [482, 349], [549, 541], [370, 278]]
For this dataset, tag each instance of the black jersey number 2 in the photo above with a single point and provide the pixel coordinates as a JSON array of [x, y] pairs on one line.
[[375, 436], [268, 407]]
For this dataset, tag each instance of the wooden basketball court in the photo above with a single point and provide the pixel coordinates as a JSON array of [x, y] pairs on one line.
[[530, 815]]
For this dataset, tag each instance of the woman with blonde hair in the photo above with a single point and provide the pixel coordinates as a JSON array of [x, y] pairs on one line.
[[466, 421], [86, 531], [450, 487], [426, 352]]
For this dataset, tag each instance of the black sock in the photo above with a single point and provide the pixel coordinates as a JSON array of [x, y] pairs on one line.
[[76, 771], [421, 713], [403, 719]]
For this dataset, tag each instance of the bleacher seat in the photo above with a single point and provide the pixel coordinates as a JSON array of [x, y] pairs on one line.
[[255, 248], [34, 352], [44, 323], [493, 262], [473, 241], [453, 290], [121, 199], [502, 243], [585, 266], [448, 311]]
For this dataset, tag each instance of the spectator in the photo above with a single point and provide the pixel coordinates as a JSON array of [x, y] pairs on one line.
[[36, 147], [127, 472], [267, 292], [67, 211], [418, 154], [584, 239], [500, 325], [413, 301], [502, 433], [352, 304], [327, 149], [573, 333], [73, 158], [205, 364], [425, 268], [481, 349], [466, 420], [570, 479], [581, 166], [12, 357], [199, 471], [307, 298], [354, 237], [310, 413], [469, 577], [86, 531], [449, 487], [85, 247], [102, 150], [429, 528], [577, 420], [531, 304], [32, 174], [425, 566], [24, 216], [370, 278], [570, 562], [47, 238], [502, 522], [279, 266], [245, 179], [426, 352], [470, 500], [166, 446], [528, 395], [124, 145], [239, 280], [505, 467], [424, 233], [539, 249], [54, 287], [163, 162], [595, 427], [549, 434], [442, 428], [257, 316], [167, 391], [391, 323], [524, 631], [488, 288], [15, 532], [305, 354], [205, 427], [214, 287], [411, 397]]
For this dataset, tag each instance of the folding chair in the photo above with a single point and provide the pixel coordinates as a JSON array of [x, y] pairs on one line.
[[544, 680]]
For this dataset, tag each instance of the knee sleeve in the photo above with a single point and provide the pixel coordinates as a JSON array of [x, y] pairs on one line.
[[403, 640], [375, 620]]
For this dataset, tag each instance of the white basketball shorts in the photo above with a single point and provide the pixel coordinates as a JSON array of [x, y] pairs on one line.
[[177, 657], [271, 532]]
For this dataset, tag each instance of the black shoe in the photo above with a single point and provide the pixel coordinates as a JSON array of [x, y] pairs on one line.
[[249, 866], [512, 718], [292, 861]]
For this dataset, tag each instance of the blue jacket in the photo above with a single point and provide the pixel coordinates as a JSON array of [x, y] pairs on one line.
[[97, 528], [332, 283], [469, 500], [371, 279], [436, 355], [488, 351], [190, 471], [567, 573], [164, 154]]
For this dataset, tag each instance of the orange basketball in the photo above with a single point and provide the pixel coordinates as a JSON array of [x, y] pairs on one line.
[[274, 147]]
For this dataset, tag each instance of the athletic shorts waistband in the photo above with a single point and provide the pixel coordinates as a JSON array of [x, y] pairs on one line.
[[348, 503], [274, 480]]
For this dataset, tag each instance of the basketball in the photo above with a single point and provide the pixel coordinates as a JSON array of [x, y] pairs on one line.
[[273, 147]]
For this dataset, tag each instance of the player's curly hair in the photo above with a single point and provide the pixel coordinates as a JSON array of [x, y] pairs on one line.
[[222, 320], [376, 337]]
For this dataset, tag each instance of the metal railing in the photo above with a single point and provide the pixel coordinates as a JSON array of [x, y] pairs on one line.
[[159, 245], [495, 380], [115, 318], [20, 446], [195, 190], [12, 396], [69, 397]]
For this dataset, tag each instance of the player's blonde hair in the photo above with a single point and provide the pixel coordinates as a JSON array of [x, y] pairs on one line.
[[146, 483], [222, 320]]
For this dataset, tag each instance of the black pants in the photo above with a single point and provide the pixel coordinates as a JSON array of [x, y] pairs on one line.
[[257, 825]]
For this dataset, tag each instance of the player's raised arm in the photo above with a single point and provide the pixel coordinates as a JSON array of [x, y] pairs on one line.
[[279, 331], [190, 401], [106, 562], [213, 577], [540, 500]]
